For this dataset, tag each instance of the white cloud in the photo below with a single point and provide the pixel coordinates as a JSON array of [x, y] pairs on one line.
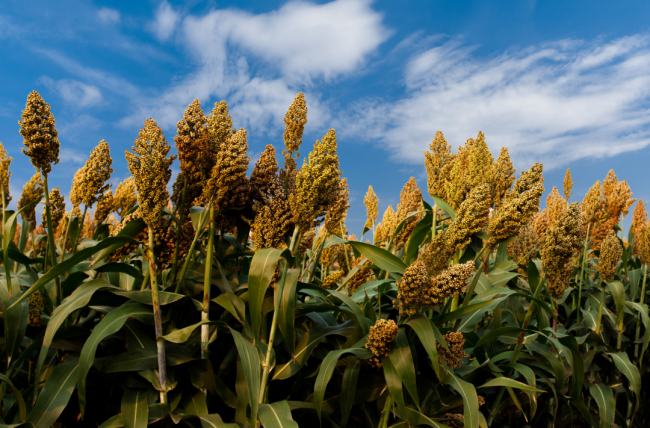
[[165, 21], [108, 15], [68, 155], [298, 43], [73, 92], [556, 103]]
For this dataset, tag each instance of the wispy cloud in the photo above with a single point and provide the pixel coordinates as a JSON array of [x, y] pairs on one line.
[[556, 103], [165, 21], [108, 15], [73, 92]]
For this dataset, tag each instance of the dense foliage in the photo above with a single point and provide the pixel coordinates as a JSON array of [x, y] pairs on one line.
[[241, 300]]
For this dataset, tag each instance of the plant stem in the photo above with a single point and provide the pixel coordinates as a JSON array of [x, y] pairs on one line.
[[638, 324], [160, 342], [205, 315], [385, 413], [179, 226], [600, 307], [6, 254], [81, 229], [520, 344], [316, 258], [50, 237], [582, 274]]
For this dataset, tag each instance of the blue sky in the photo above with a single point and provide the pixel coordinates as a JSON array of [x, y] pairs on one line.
[[564, 83]]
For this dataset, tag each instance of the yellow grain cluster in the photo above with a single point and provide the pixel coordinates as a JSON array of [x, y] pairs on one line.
[[39, 134], [610, 252], [453, 357], [5, 174], [380, 340], [32, 192], [57, 208]]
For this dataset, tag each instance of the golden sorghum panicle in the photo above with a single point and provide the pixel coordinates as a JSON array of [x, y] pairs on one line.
[[567, 185], [362, 276], [264, 176], [125, 197], [318, 177], [592, 204], [220, 129], [642, 243], [97, 172], [113, 223], [150, 168], [556, 205], [75, 190], [561, 241], [438, 162], [5, 174], [471, 217], [331, 279], [522, 249], [519, 205], [451, 423], [480, 163], [372, 208], [104, 207], [337, 209], [610, 253], [458, 185], [36, 307], [541, 224], [307, 240], [57, 208], [639, 219], [449, 283], [412, 289], [228, 183], [410, 202], [295, 121], [453, 357], [388, 225], [191, 140], [39, 133], [380, 340], [32, 192], [272, 222], [503, 175]]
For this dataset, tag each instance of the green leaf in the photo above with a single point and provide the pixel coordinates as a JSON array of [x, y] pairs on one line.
[[630, 371], [181, 335], [460, 313], [380, 257], [15, 318], [310, 340], [400, 356], [349, 389], [196, 405], [643, 310], [233, 304], [420, 419], [394, 384], [605, 399], [444, 206], [74, 260], [110, 324], [470, 399], [147, 358], [420, 233], [78, 299], [277, 415], [327, 368], [55, 395], [495, 334], [199, 217], [131, 230], [114, 422], [122, 268], [259, 277], [22, 409], [251, 361], [511, 383], [426, 331], [287, 311], [214, 421], [618, 293], [135, 409], [144, 296]]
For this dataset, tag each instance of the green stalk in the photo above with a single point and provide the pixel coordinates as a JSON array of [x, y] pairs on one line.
[[179, 225], [160, 342], [582, 273], [6, 254], [385, 413], [205, 315], [317, 258], [25, 231], [65, 238], [50, 238], [600, 308], [520, 344], [274, 323], [638, 324], [187, 261], [81, 229]]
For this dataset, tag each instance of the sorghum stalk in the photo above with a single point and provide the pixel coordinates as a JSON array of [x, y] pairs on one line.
[[179, 226], [65, 238], [160, 342], [316, 258], [638, 325], [81, 229], [274, 322], [520, 344], [600, 307], [205, 315], [582, 273], [50, 237], [385, 413]]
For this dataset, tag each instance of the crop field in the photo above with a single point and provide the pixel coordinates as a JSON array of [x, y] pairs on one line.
[[241, 299]]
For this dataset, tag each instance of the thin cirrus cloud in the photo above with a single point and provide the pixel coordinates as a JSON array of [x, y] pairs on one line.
[[74, 93], [295, 45], [557, 102], [165, 21]]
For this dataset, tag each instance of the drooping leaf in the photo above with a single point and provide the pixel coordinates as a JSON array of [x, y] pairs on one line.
[[55, 395], [604, 397], [631, 372], [400, 356], [380, 257], [259, 277], [349, 389], [252, 367], [277, 415], [135, 409]]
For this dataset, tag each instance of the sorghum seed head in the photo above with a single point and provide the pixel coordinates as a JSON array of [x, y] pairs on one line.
[[380, 340], [39, 133], [610, 252]]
